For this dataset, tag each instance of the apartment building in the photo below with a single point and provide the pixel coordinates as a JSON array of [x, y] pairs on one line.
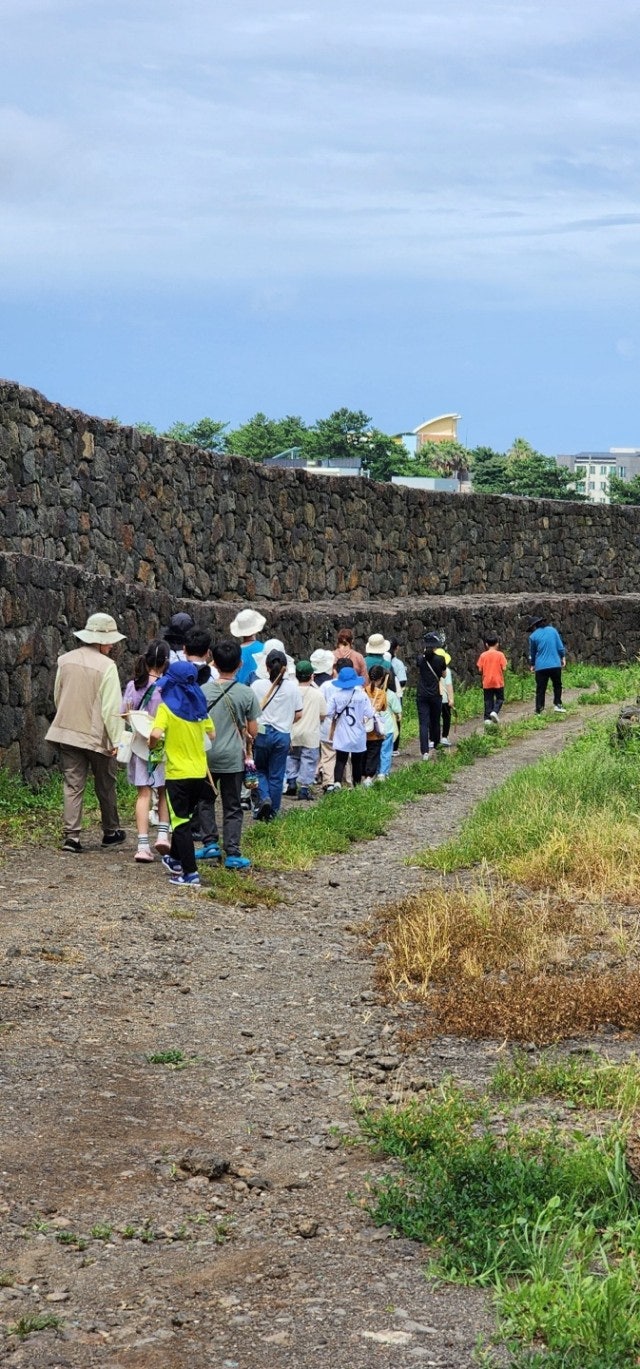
[[593, 469]]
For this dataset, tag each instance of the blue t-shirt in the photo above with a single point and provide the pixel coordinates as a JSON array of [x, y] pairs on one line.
[[546, 648], [247, 669]]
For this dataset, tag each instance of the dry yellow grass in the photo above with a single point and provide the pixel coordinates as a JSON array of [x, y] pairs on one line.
[[540, 1008], [463, 934], [597, 858]]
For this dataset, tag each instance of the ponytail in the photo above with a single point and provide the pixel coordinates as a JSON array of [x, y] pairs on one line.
[[156, 657]]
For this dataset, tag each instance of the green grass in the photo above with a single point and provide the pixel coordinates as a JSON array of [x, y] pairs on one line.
[[548, 1220], [588, 1083], [171, 1057], [21, 806], [231, 887], [587, 781], [40, 1321]]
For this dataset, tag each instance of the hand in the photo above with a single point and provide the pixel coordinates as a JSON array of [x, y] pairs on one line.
[[564, 660], [532, 669]]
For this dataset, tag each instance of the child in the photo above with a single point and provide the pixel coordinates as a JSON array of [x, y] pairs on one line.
[[431, 667], [183, 723], [304, 752], [323, 676], [388, 710], [398, 667], [143, 695], [280, 706], [236, 710], [351, 717], [492, 665]]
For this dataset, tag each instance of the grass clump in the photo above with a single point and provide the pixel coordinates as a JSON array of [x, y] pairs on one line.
[[39, 1321], [539, 1008], [230, 887], [7, 1278], [589, 1083], [171, 1057], [548, 1221]]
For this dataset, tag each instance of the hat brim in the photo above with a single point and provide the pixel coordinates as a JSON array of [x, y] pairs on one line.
[[247, 629], [341, 683], [99, 638], [536, 622], [377, 650]]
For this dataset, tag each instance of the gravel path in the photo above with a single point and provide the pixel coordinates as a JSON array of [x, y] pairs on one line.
[[267, 1258]]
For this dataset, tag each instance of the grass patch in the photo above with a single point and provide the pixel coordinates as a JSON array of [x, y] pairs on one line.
[[589, 1083], [539, 1008], [548, 1221], [233, 888], [570, 821], [21, 805], [173, 1057], [39, 1321], [7, 1278]]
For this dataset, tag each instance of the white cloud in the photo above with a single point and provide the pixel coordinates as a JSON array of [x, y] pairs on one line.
[[462, 140]]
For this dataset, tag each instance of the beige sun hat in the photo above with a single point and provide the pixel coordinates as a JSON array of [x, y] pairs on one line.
[[247, 623], [377, 645], [100, 629], [322, 661], [260, 662]]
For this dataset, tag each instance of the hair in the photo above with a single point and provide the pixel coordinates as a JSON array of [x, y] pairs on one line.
[[197, 641], [344, 663], [374, 689], [490, 639], [276, 664], [377, 672], [345, 636], [156, 657], [227, 655], [393, 645], [304, 670]]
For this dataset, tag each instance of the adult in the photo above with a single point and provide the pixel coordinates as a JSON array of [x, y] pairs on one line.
[[280, 706], [88, 726], [547, 656], [234, 709], [377, 652], [431, 667], [246, 626], [345, 650], [351, 717], [175, 634], [323, 676]]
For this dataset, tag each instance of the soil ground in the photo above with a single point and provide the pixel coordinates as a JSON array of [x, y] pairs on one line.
[[275, 1261]]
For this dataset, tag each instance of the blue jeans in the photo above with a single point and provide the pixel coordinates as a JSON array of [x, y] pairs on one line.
[[302, 765], [386, 755], [270, 751]]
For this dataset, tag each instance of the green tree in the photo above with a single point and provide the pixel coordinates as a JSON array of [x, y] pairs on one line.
[[442, 459], [488, 470], [347, 433], [262, 437], [208, 433], [624, 491], [536, 476]]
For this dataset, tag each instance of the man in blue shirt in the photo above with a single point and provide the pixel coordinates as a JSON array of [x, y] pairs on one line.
[[246, 625], [547, 656]]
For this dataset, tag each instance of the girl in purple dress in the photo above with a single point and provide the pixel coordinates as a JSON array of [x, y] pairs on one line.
[[143, 695]]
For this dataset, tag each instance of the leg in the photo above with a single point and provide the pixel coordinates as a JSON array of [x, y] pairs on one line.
[[446, 719], [75, 769], [105, 769], [327, 763], [488, 704], [308, 766], [230, 787], [542, 680], [435, 714], [371, 759], [357, 766], [498, 699], [556, 680], [261, 753], [206, 815], [340, 766], [277, 765], [423, 719], [293, 766], [184, 796], [142, 812], [386, 756]]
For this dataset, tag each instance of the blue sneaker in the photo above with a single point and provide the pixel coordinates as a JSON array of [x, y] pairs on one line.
[[237, 863], [210, 852], [192, 880], [173, 866]]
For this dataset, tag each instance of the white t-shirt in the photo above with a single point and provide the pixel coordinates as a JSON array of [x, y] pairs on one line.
[[282, 705], [351, 708]]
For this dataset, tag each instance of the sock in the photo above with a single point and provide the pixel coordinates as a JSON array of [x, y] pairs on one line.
[[163, 829], [143, 839]]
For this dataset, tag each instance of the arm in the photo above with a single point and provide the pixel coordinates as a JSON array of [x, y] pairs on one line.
[[252, 728], [111, 704], [561, 648], [297, 715]]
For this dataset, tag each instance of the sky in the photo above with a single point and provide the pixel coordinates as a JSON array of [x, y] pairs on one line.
[[410, 207]]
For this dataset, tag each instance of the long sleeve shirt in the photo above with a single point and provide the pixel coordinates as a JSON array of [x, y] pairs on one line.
[[546, 648]]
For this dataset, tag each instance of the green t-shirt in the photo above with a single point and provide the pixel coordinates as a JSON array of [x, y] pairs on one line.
[[226, 752], [184, 745]]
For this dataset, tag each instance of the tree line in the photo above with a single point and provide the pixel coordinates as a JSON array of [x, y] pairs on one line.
[[348, 433]]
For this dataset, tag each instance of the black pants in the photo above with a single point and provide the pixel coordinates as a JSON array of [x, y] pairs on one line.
[[183, 797], [446, 718], [542, 679], [493, 701], [230, 790], [372, 758], [429, 715], [358, 759]]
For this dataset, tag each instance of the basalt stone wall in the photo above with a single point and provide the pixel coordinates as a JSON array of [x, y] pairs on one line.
[[42, 601], [81, 491]]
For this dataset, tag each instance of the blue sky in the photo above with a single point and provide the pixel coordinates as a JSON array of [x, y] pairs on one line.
[[408, 207]]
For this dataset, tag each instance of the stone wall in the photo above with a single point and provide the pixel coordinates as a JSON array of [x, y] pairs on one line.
[[166, 516]]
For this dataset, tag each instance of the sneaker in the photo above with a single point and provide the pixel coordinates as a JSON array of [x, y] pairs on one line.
[[163, 845], [209, 852], [488, 722], [72, 845], [192, 880], [306, 794], [367, 782], [380, 779], [173, 866], [237, 863], [444, 741], [429, 756], [245, 805], [290, 791], [263, 811], [143, 855], [494, 717], [333, 788], [557, 708], [114, 838]]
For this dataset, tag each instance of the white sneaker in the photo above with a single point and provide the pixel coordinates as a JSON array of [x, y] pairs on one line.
[[444, 741], [429, 756], [366, 783], [488, 722], [557, 708], [494, 717]]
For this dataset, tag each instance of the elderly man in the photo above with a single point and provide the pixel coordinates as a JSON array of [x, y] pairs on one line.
[[88, 726]]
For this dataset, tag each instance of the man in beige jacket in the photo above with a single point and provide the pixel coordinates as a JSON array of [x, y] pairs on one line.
[[88, 726]]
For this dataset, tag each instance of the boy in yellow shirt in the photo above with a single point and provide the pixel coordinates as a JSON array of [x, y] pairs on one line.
[[183, 724]]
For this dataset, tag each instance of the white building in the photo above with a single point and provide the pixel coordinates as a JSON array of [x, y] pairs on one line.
[[593, 469]]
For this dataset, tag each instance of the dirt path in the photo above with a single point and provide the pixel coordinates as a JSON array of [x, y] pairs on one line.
[[273, 1263]]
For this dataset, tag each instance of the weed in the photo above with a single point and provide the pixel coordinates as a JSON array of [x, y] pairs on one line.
[[540, 1008], [71, 1238], [183, 914], [230, 887], [129, 1233], [7, 1278], [101, 1231], [40, 1321], [590, 1083], [171, 1057], [38, 1224], [223, 1230]]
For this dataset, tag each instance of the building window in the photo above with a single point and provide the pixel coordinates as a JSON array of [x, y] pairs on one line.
[[603, 484], [604, 470], [592, 484], [622, 472], [592, 470]]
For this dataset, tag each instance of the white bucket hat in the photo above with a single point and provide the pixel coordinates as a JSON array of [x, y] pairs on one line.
[[247, 623], [100, 630], [322, 661], [377, 645], [260, 662]]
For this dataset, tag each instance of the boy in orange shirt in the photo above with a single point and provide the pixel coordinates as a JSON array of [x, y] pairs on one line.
[[492, 665]]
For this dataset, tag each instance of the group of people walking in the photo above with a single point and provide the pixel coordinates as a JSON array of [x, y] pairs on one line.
[[222, 728]]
